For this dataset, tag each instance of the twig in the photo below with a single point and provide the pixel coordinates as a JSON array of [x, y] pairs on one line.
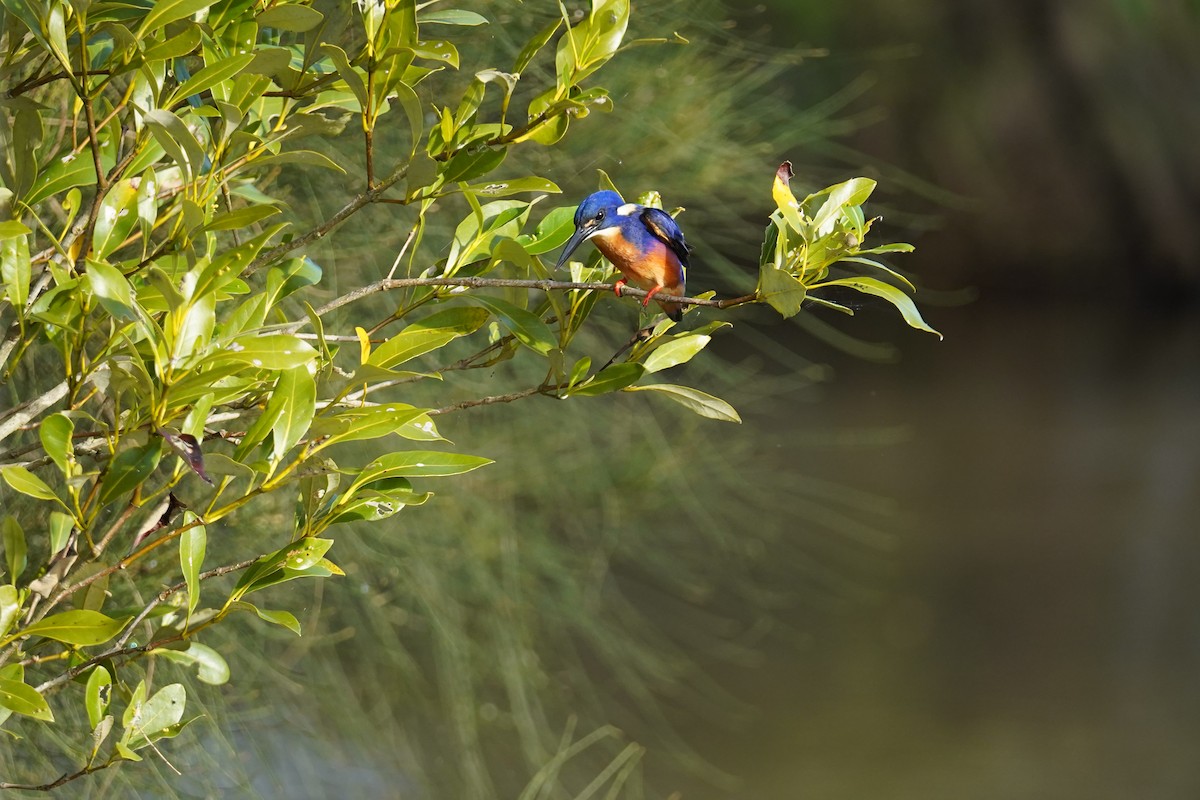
[[493, 399], [64, 778], [371, 195], [122, 648], [390, 284]]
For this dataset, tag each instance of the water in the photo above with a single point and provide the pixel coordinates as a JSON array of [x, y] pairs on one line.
[[1038, 637]]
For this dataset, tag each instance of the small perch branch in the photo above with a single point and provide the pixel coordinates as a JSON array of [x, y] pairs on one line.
[[389, 284]]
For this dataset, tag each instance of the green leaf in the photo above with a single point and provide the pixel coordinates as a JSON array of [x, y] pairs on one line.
[[10, 607], [128, 470], [552, 232], [112, 289], [14, 549], [16, 267], [781, 290], [175, 138], [62, 174], [436, 330], [610, 379], [24, 699], [211, 665], [899, 299], [157, 715], [25, 482], [853, 192], [451, 16], [274, 351], [192, 544], [61, 526], [870, 262], [55, 432], [515, 186], [98, 695], [354, 80], [240, 217], [372, 422], [163, 12], [297, 391], [282, 618], [539, 40], [291, 17], [210, 76], [118, 215], [470, 163], [77, 627], [700, 402], [529, 328], [418, 464], [134, 707], [674, 352]]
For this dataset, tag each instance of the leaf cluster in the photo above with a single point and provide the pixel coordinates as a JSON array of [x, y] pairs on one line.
[[172, 364]]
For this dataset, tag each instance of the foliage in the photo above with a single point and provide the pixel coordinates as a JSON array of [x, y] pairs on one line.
[[167, 366]]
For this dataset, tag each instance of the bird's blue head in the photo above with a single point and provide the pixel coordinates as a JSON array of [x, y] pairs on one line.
[[597, 212]]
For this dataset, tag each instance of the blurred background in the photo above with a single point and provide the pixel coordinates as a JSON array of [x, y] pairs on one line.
[[919, 569]]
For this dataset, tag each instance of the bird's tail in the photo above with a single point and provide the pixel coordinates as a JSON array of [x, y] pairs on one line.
[[673, 310]]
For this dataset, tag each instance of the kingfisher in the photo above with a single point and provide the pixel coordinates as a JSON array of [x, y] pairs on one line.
[[644, 243]]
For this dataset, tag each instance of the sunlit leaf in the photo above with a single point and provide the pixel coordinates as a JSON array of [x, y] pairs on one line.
[[211, 667], [156, 715], [79, 627], [782, 291], [273, 351], [451, 16], [98, 695], [112, 289], [418, 464], [371, 422], [192, 544], [896, 297], [700, 402], [25, 482], [282, 618], [675, 352], [14, 548], [10, 607], [610, 379], [163, 12], [55, 432], [429, 334], [298, 392], [853, 192], [529, 328], [24, 699]]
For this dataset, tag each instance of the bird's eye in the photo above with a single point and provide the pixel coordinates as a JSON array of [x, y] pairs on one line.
[[600, 215]]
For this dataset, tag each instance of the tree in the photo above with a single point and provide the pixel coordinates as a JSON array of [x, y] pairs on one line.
[[167, 369]]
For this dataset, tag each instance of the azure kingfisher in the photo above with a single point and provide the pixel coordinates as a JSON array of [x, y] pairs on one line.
[[644, 243]]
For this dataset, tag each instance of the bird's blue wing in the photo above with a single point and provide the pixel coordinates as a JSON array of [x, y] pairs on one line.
[[664, 228]]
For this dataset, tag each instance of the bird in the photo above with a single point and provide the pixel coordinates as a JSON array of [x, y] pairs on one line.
[[644, 243]]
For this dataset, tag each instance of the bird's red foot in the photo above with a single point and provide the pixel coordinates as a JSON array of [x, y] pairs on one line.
[[618, 286], [649, 294]]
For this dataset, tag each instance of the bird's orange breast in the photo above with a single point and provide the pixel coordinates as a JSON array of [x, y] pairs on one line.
[[645, 268]]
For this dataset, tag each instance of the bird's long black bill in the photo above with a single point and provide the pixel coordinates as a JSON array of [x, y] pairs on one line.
[[577, 238]]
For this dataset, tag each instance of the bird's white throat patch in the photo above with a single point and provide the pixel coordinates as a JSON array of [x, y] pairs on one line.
[[604, 233], [627, 209]]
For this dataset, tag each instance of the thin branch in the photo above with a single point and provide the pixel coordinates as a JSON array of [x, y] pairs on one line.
[[122, 648], [390, 284], [493, 399], [64, 778], [355, 203]]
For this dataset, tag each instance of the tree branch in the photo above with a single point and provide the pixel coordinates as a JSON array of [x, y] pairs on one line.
[[389, 284], [371, 195]]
